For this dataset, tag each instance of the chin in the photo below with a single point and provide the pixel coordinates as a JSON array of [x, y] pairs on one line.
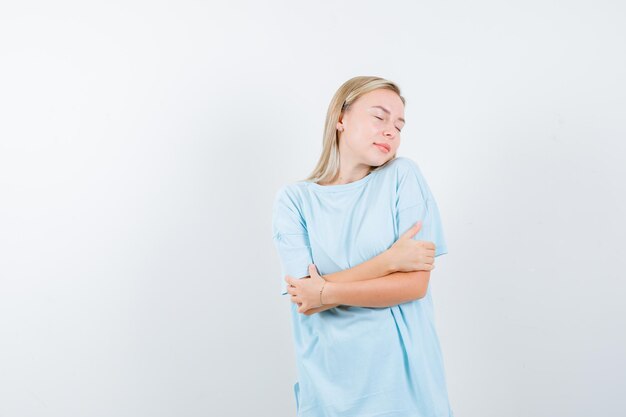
[[379, 160]]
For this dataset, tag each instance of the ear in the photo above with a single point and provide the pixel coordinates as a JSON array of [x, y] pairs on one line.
[[340, 126]]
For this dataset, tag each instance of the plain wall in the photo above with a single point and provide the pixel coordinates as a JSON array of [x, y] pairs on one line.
[[142, 144]]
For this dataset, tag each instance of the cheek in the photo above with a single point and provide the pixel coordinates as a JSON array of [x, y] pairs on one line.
[[363, 136], [373, 133]]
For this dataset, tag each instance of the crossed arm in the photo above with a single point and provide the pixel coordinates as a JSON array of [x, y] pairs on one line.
[[373, 283]]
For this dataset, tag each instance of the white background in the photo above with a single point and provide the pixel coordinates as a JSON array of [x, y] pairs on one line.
[[142, 143]]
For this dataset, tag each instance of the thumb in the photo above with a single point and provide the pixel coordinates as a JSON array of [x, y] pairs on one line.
[[312, 269], [412, 231]]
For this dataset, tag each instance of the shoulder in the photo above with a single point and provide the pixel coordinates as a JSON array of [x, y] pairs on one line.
[[283, 194], [290, 190], [290, 195], [405, 164], [409, 179], [403, 167]]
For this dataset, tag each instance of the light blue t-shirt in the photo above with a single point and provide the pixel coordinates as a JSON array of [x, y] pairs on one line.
[[362, 361]]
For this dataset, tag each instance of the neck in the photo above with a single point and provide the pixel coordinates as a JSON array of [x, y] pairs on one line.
[[351, 170]]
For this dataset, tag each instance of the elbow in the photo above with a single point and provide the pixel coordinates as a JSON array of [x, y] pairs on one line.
[[423, 293]]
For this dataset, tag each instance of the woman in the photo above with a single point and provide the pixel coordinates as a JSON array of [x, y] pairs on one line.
[[363, 231]]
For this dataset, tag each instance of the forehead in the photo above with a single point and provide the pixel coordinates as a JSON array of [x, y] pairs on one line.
[[386, 99]]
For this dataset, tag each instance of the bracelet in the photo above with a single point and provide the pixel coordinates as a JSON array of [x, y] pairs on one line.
[[323, 285]]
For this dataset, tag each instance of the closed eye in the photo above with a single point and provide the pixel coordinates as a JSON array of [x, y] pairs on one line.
[[379, 118]]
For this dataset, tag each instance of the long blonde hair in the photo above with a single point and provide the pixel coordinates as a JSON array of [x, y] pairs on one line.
[[327, 168]]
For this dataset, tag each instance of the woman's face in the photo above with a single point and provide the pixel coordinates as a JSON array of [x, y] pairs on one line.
[[370, 125]]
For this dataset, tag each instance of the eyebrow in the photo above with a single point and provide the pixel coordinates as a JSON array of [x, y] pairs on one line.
[[388, 112]]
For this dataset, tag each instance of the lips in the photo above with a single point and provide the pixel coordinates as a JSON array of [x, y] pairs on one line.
[[384, 145]]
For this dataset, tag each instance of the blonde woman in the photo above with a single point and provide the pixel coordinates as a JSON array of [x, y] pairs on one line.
[[357, 241]]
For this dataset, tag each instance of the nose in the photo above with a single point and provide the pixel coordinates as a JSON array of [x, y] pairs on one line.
[[389, 128], [390, 131]]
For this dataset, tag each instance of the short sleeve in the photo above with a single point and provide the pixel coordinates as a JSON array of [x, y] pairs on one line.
[[416, 202], [290, 237]]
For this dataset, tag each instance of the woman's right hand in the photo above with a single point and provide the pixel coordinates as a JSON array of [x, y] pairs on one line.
[[408, 255]]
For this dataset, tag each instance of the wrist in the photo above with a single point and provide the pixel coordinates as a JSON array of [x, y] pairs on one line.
[[388, 260], [329, 294]]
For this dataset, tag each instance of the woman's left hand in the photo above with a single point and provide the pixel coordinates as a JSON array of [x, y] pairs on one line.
[[306, 291]]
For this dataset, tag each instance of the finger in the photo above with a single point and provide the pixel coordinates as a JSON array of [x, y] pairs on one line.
[[412, 231], [293, 290], [425, 244]]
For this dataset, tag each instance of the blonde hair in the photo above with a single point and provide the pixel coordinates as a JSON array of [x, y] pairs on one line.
[[327, 168]]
